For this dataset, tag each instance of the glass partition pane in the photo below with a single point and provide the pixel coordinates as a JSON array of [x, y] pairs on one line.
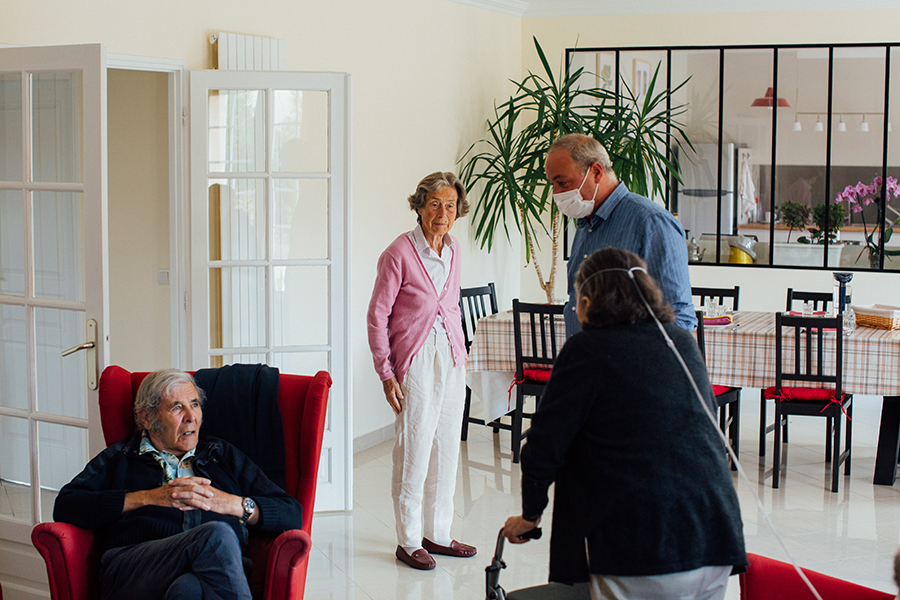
[[301, 218], [10, 127], [56, 139], [237, 219], [58, 268], [12, 243], [237, 128], [13, 388], [801, 153], [237, 309], [696, 198], [301, 314], [61, 386], [857, 152], [15, 470]]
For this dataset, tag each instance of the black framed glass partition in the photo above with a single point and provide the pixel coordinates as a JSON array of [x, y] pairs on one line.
[[793, 162]]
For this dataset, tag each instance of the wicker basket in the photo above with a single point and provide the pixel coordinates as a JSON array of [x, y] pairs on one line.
[[879, 316]]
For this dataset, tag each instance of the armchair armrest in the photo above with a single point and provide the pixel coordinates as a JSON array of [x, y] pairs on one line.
[[73, 564], [286, 569]]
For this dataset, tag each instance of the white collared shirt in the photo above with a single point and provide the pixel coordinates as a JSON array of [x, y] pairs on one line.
[[438, 267]]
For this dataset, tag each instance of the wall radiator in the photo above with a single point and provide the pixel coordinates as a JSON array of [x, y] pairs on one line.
[[238, 52]]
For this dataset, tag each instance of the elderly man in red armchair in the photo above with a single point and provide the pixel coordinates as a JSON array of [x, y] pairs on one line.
[[171, 510]]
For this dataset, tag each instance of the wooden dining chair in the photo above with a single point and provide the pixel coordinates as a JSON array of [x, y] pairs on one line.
[[726, 397], [821, 301], [474, 304], [535, 355], [807, 363]]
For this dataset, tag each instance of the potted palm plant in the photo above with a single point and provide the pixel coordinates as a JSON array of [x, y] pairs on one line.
[[508, 164]]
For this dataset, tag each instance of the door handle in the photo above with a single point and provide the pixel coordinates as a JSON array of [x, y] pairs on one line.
[[91, 346]]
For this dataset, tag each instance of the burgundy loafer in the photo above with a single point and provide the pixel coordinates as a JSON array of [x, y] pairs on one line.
[[454, 549], [420, 559]]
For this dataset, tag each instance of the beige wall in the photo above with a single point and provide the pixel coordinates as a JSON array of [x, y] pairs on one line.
[[140, 338], [761, 289], [424, 77]]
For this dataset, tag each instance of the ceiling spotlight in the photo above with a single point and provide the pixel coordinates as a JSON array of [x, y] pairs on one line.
[[864, 127], [818, 126], [796, 126], [841, 126]]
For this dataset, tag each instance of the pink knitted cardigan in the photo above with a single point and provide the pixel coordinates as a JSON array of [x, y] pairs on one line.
[[404, 305]]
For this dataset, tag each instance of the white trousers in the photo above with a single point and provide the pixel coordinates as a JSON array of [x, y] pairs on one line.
[[426, 448], [705, 583]]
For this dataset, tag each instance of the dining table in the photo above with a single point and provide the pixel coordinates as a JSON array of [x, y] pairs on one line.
[[741, 354]]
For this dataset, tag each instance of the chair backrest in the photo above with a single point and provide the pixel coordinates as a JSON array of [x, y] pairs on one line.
[[820, 300], [540, 347], [477, 300], [808, 358], [302, 399], [770, 579], [701, 335], [720, 293]]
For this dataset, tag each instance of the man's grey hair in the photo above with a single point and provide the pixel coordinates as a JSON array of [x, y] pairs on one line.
[[156, 387], [584, 151], [433, 183]]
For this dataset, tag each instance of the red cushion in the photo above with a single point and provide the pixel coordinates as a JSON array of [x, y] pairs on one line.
[[718, 390], [798, 393], [539, 375], [769, 579]]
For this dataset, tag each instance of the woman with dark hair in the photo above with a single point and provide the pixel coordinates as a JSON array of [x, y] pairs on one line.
[[644, 505], [416, 339]]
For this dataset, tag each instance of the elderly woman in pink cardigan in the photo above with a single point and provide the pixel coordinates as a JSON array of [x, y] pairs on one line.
[[416, 338]]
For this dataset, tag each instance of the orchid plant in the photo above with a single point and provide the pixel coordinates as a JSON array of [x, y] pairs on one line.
[[861, 195]]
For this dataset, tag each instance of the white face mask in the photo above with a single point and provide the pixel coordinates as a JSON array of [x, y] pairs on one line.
[[572, 204]]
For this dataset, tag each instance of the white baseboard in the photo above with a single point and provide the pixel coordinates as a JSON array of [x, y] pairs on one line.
[[373, 438]]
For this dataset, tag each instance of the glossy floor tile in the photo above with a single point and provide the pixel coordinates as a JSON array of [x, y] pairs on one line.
[[852, 534]]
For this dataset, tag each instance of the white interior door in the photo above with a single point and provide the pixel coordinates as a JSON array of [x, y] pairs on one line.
[[53, 292], [269, 236]]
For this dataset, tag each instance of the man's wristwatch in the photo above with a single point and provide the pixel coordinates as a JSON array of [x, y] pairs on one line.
[[249, 506]]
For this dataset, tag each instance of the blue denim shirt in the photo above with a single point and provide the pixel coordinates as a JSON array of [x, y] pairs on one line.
[[631, 222]]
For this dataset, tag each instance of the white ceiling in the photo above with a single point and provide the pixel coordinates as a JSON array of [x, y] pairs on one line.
[[559, 8]]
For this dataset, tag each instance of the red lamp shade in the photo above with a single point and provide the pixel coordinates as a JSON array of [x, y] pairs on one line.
[[766, 100]]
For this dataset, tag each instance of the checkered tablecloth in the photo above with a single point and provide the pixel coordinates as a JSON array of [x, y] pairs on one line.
[[743, 355], [491, 367]]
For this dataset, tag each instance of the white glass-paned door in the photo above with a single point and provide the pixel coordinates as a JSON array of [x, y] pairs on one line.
[[52, 272], [269, 231]]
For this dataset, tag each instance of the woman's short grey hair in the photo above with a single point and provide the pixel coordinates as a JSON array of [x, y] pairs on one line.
[[433, 183], [157, 386], [584, 151]]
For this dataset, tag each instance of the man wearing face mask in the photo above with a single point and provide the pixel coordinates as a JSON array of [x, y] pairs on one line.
[[586, 188]]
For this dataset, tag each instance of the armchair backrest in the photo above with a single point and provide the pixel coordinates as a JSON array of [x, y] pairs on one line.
[[770, 579], [302, 399]]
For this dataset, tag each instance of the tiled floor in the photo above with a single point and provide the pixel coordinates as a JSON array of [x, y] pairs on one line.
[[852, 534]]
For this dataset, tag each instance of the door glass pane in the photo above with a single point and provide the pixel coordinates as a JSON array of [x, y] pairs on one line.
[[301, 132], [10, 127], [301, 218], [63, 454], [61, 387], [13, 390], [237, 297], [301, 363], [58, 273], [15, 470], [237, 128], [237, 219], [301, 315], [56, 127], [251, 358], [12, 243]]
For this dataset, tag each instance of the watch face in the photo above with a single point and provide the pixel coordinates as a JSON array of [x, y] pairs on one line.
[[249, 505]]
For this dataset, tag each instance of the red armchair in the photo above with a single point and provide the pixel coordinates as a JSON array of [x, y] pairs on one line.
[[279, 564], [770, 579]]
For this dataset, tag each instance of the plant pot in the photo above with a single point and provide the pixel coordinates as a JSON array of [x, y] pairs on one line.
[[806, 255], [874, 258]]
